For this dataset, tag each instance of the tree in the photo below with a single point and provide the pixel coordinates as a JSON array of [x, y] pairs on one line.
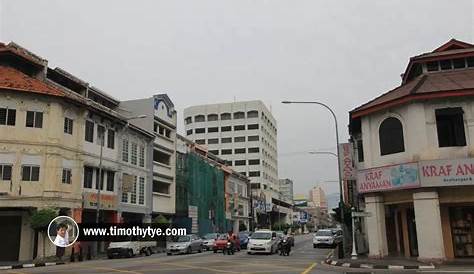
[[40, 220]]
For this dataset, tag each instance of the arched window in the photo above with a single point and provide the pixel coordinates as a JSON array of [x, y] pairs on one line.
[[212, 117], [225, 116], [239, 115], [252, 114], [199, 118], [391, 136]]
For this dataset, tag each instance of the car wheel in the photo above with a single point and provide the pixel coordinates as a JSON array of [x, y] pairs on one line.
[[249, 253], [215, 251], [200, 249], [169, 254], [129, 253], [147, 251], [189, 250], [110, 256], [314, 246]]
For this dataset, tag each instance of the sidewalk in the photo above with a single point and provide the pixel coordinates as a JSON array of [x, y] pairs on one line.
[[385, 263]]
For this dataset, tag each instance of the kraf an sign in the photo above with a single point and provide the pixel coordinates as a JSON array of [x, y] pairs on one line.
[[107, 202], [346, 162], [453, 172], [388, 178]]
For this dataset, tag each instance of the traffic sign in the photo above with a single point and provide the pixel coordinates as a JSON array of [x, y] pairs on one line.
[[361, 214]]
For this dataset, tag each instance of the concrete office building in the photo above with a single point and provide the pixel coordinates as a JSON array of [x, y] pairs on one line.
[[317, 197], [414, 147], [286, 189]]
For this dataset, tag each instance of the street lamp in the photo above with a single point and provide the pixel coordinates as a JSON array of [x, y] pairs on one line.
[[341, 197], [100, 182]]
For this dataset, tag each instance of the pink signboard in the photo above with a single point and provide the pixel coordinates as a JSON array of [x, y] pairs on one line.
[[388, 178], [453, 172]]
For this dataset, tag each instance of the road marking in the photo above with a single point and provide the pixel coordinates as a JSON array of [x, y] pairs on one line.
[[307, 270], [200, 267], [446, 271], [15, 272], [115, 269]]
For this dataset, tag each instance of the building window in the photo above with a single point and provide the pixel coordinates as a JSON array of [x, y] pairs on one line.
[[450, 127], [188, 120], [133, 156], [459, 63], [228, 163], [161, 187], [199, 118], [226, 128], [189, 132], [30, 173], [133, 194], [254, 162], [253, 149], [240, 162], [253, 138], [212, 117], [110, 139], [226, 151], [7, 116], [391, 136], [200, 130], [239, 150], [89, 131], [34, 119], [68, 125], [226, 116], [161, 157], [432, 66], [88, 175], [239, 127], [254, 174], [239, 139], [125, 150], [5, 172], [213, 141], [215, 152], [252, 114], [239, 115], [100, 135], [110, 180], [99, 180], [124, 197], [243, 173], [445, 64], [201, 141], [141, 191], [213, 129], [66, 177], [226, 140], [360, 151], [470, 61], [141, 156], [252, 126]]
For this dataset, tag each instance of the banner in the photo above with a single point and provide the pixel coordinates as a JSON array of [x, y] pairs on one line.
[[128, 182], [346, 162], [388, 178], [453, 172], [108, 202]]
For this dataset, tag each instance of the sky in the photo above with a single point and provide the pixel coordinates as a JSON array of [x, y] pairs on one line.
[[342, 53]]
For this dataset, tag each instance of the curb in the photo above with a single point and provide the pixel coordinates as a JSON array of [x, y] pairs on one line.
[[17, 266], [329, 261]]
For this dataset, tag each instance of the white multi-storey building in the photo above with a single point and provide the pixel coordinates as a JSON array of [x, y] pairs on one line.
[[242, 133]]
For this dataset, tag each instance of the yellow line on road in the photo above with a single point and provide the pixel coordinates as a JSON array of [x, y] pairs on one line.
[[15, 272], [307, 270], [200, 267], [115, 269]]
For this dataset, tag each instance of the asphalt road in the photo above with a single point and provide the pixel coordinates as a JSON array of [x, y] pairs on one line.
[[304, 259]]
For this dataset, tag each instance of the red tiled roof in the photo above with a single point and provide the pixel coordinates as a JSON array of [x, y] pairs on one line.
[[13, 79], [446, 82]]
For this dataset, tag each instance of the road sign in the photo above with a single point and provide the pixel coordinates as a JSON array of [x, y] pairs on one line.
[[361, 214]]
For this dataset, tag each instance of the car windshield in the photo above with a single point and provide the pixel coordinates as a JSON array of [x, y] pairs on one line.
[[243, 235], [182, 239], [223, 237], [210, 236], [324, 233], [262, 235]]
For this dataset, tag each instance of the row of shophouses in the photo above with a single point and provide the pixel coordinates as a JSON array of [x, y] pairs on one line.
[[60, 137], [413, 154]]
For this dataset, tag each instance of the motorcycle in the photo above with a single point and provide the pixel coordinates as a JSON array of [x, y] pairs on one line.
[[285, 248], [229, 248]]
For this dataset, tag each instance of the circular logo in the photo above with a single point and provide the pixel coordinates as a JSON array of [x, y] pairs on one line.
[[63, 231]]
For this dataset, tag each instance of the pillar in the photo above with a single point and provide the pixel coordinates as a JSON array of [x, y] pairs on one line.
[[375, 224], [428, 226]]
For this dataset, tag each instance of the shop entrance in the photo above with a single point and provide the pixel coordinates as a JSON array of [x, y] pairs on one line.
[[401, 230], [462, 231], [10, 229]]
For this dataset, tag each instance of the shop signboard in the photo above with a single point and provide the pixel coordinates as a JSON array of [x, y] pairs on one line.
[[452, 172], [388, 178], [107, 202], [346, 163]]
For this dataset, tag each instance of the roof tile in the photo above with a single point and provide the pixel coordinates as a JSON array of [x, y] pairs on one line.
[[11, 78]]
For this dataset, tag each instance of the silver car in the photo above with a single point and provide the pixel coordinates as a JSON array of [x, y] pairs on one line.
[[184, 245], [327, 237]]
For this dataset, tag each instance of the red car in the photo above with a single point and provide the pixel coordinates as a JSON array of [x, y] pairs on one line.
[[221, 243]]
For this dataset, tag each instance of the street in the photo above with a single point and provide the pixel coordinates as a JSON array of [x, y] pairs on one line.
[[303, 259]]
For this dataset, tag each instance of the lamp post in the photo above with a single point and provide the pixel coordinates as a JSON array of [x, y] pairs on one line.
[[341, 196], [101, 136]]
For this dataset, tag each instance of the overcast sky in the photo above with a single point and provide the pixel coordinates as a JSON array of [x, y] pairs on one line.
[[342, 53]]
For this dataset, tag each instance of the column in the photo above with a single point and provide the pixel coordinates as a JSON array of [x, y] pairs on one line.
[[375, 224], [428, 226]]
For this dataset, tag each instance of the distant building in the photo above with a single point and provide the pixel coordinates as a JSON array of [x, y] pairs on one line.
[[317, 197], [286, 189]]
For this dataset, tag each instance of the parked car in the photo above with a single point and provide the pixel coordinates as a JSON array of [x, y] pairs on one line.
[[209, 239], [130, 248], [263, 241], [326, 237], [184, 244], [221, 243], [244, 239]]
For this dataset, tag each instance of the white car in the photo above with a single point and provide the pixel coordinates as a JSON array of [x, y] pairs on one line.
[[209, 239], [327, 237], [130, 248], [184, 244], [262, 241]]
